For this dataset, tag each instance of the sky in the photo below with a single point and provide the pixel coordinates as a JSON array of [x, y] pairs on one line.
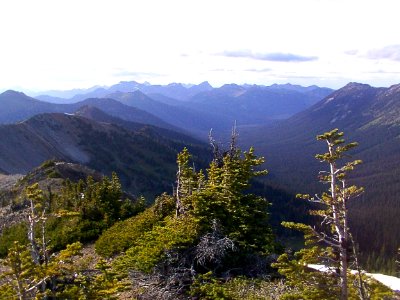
[[65, 44]]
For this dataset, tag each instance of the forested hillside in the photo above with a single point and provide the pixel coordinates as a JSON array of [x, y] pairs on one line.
[[369, 116], [190, 150], [142, 155], [151, 220], [210, 239]]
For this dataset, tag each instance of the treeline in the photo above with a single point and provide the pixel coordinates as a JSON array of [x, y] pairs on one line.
[[210, 239], [80, 211]]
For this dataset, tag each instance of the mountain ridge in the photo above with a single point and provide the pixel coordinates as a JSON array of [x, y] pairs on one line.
[[367, 115], [144, 159], [17, 107]]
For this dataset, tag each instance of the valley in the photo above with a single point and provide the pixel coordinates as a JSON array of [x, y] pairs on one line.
[[137, 130]]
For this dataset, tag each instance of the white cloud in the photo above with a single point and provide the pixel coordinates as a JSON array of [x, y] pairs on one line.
[[275, 56], [64, 44], [391, 52]]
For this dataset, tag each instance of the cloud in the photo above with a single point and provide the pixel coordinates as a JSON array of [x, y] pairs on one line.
[[124, 73], [222, 70], [300, 76], [391, 52], [263, 70], [275, 56], [383, 72], [258, 70], [351, 52]]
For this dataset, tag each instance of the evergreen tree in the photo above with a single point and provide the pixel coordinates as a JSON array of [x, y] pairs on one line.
[[37, 216], [214, 225], [22, 275], [243, 216], [336, 201], [334, 230], [30, 270]]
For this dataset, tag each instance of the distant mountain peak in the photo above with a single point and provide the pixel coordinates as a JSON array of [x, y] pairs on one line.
[[205, 84], [136, 94], [139, 93], [129, 82], [232, 87], [394, 88], [13, 93], [355, 86], [88, 110], [175, 84]]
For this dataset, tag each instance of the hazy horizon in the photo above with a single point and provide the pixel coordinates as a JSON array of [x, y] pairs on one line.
[[62, 45]]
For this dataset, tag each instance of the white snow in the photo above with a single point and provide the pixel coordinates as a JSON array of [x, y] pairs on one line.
[[321, 268], [329, 100], [390, 281]]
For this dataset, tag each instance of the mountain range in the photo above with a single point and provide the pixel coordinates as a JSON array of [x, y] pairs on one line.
[[200, 108], [142, 155], [174, 90], [196, 109], [367, 115], [137, 129], [17, 107]]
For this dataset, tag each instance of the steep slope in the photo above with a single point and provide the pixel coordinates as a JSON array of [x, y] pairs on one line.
[[357, 109], [7, 183], [144, 159], [125, 112], [95, 114], [199, 108], [254, 104], [198, 123], [16, 107], [314, 93], [50, 176], [367, 115]]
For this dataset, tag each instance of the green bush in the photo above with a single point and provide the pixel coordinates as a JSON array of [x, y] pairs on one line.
[[53, 174], [48, 164], [16, 232], [173, 233], [125, 234]]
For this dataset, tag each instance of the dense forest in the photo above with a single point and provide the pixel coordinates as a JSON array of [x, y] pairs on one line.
[[213, 237]]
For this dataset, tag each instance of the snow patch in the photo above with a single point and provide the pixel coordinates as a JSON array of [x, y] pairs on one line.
[[329, 100], [390, 281]]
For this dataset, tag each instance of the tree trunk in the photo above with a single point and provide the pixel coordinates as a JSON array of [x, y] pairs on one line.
[[178, 192], [31, 235], [341, 229], [343, 270]]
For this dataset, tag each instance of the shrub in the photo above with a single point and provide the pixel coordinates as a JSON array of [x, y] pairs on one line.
[[16, 232], [125, 234]]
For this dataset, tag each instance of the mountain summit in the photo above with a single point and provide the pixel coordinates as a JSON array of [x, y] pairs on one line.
[[367, 115]]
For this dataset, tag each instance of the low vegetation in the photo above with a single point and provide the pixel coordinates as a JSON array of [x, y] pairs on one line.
[[210, 239]]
